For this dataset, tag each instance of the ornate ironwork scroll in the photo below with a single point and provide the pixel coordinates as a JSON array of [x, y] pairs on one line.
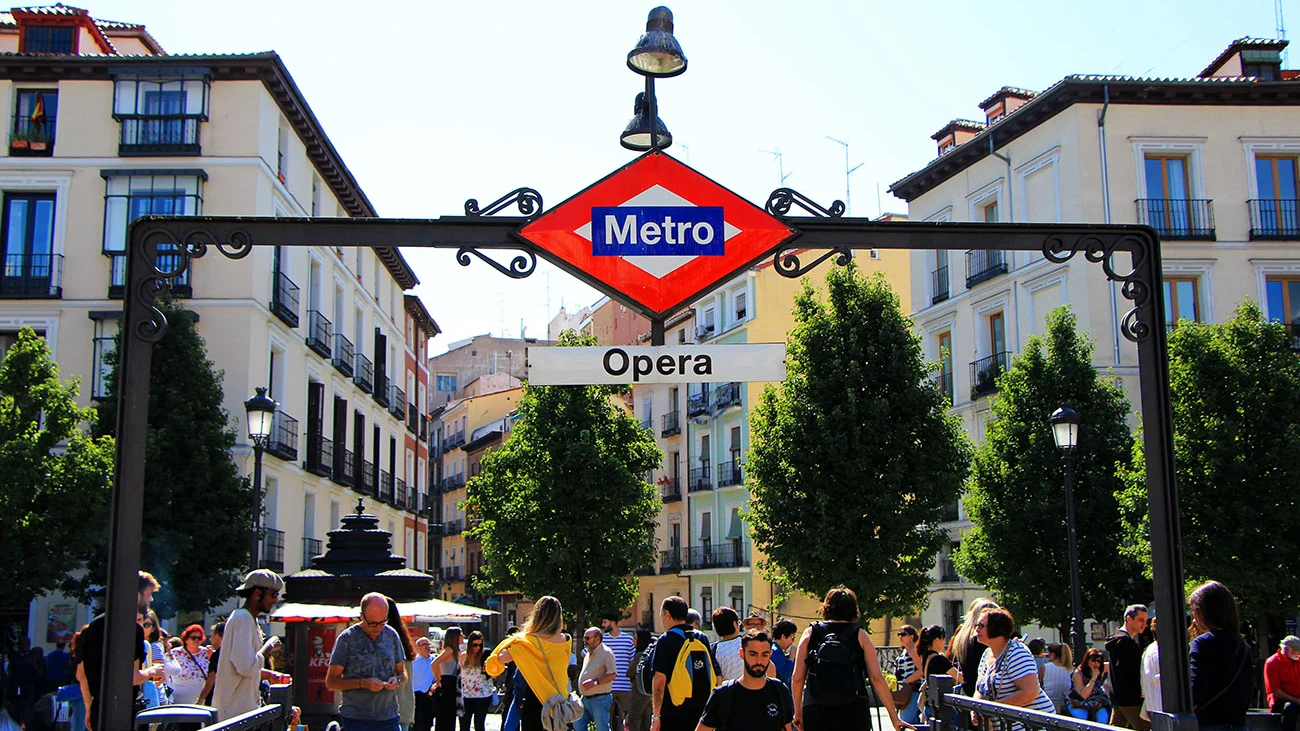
[[523, 265], [782, 200], [1133, 285], [529, 202], [786, 262]]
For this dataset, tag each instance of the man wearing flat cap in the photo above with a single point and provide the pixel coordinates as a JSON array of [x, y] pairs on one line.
[[1282, 681], [241, 667]]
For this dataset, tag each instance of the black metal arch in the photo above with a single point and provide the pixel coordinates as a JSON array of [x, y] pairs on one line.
[[479, 230]]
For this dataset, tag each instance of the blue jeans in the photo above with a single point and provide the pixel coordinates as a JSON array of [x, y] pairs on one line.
[[1101, 715], [357, 724], [910, 713], [595, 710]]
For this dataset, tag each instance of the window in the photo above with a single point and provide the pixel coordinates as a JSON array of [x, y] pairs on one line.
[[104, 349], [49, 39], [991, 212], [740, 305], [129, 197], [1283, 297], [953, 615], [1181, 301], [160, 115], [315, 196], [681, 336], [282, 152], [31, 268], [1273, 214], [1169, 206], [737, 596], [34, 122], [945, 363], [445, 382], [997, 333], [706, 606]]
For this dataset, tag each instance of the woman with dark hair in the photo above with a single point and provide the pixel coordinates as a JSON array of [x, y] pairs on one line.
[[1221, 680], [1007, 673], [405, 692], [907, 669], [1087, 699], [446, 689], [811, 713], [188, 666], [476, 687], [638, 716], [934, 640]]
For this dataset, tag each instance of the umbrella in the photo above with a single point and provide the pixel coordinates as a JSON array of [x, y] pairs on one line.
[[428, 610]]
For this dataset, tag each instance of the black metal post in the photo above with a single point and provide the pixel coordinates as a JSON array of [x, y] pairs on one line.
[[1076, 589], [657, 331], [257, 505], [652, 105]]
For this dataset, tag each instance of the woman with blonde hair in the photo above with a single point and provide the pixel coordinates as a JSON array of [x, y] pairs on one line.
[[1056, 674], [540, 652], [966, 647]]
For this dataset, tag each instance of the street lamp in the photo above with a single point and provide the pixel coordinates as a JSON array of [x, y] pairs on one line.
[[1065, 431], [260, 411], [657, 54]]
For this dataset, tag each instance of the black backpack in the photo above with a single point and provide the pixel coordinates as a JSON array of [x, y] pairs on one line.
[[836, 674], [643, 681]]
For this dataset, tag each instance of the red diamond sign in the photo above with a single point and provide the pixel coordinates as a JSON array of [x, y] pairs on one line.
[[657, 231]]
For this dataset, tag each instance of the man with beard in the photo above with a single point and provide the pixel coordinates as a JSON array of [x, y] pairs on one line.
[[90, 652], [755, 702], [241, 667]]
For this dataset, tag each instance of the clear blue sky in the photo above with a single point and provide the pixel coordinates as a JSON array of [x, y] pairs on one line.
[[431, 103]]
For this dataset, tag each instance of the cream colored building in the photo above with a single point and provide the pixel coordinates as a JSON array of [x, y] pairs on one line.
[[104, 127], [1209, 161]]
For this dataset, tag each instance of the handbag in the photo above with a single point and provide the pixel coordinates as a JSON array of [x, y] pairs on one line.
[[559, 710], [904, 693], [1095, 701]]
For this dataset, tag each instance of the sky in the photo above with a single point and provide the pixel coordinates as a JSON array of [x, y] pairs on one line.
[[432, 103]]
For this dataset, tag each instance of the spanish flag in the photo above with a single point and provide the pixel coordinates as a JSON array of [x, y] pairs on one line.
[[38, 112]]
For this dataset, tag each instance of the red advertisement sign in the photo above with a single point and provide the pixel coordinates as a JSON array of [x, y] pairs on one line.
[[320, 643]]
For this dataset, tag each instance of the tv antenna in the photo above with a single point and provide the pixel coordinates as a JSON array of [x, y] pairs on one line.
[[780, 164], [848, 171]]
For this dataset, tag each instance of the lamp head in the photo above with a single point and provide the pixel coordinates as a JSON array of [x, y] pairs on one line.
[[637, 134], [260, 411], [1065, 428], [657, 53]]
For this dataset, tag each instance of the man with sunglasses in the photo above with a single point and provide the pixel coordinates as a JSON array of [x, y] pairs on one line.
[[241, 667], [367, 666]]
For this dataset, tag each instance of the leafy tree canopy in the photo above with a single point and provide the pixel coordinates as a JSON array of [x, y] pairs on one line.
[[853, 457], [565, 506], [56, 478], [1018, 546]]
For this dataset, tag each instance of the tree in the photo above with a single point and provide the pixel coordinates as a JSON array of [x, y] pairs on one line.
[[1018, 546], [198, 509], [1236, 408], [564, 503], [56, 477], [854, 455]]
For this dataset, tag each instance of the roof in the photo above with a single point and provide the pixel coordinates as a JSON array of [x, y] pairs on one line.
[[415, 307], [969, 125], [1005, 92], [1263, 44]]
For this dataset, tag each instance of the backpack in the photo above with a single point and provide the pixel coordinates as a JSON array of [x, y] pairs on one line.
[[693, 675], [643, 680], [835, 673], [726, 694]]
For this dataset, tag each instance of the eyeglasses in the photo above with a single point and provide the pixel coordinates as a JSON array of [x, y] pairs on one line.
[[368, 623], [980, 625], [148, 624]]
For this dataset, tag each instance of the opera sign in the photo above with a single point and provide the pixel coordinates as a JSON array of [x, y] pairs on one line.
[[743, 362]]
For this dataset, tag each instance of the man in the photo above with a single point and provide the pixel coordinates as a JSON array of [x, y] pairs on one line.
[[241, 667], [694, 617], [421, 683], [21, 690], [665, 714], [623, 645], [755, 702], [366, 667], [56, 667], [785, 632], [755, 620], [214, 639], [727, 624], [1126, 670], [596, 681], [90, 650], [1282, 682]]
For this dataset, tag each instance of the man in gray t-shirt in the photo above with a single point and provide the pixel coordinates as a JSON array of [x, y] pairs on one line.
[[366, 666]]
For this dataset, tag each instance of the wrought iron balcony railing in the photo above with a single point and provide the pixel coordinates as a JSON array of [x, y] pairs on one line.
[[671, 490], [1178, 218], [944, 379], [729, 474], [985, 371], [320, 332], [982, 266], [283, 441], [311, 548], [344, 358], [728, 394], [701, 479], [345, 467], [412, 418], [397, 402], [670, 562], [159, 134], [368, 483], [385, 487], [672, 424], [1274, 220], [32, 139], [451, 573], [939, 285], [381, 393], [272, 550], [363, 375], [697, 403], [453, 527], [647, 423], [320, 455], [284, 299], [708, 556], [32, 276]]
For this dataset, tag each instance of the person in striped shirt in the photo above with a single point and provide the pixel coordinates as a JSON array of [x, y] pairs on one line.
[[623, 645], [1007, 671]]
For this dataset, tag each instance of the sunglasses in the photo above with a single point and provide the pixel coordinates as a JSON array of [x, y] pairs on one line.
[[148, 624], [196, 638], [476, 644], [904, 634]]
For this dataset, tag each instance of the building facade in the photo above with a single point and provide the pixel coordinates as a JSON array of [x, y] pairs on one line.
[[472, 358]]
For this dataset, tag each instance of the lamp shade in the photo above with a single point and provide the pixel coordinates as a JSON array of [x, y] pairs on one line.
[[657, 53], [637, 134], [1065, 427], [261, 412]]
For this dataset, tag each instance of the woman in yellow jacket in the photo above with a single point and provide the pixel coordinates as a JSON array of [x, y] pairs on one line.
[[541, 653]]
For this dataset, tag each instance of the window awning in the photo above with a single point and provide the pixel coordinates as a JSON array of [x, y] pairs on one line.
[[734, 532]]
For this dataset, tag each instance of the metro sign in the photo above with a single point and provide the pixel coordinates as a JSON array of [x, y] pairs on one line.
[[659, 232]]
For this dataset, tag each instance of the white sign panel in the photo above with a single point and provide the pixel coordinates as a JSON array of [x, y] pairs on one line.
[[742, 362]]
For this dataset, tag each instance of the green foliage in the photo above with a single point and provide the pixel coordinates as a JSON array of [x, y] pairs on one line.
[[1019, 546], [56, 478], [198, 509], [1236, 408], [854, 455], [564, 503]]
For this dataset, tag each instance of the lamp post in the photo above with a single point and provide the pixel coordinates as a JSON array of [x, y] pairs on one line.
[[657, 54], [1065, 431], [261, 413]]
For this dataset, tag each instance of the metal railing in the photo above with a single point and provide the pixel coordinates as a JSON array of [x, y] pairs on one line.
[[671, 490], [345, 468], [32, 276], [320, 455], [424, 428], [283, 440], [319, 332], [729, 474], [701, 479], [397, 402], [381, 391], [180, 284], [982, 266], [648, 423], [272, 550], [385, 487], [704, 332], [939, 287], [311, 547], [453, 527], [670, 562], [672, 424], [363, 374], [697, 403], [399, 493], [367, 482], [344, 357], [728, 394], [1274, 220], [949, 711], [985, 371], [1178, 218], [451, 573], [727, 556], [32, 139], [412, 419], [944, 380], [159, 134], [284, 299]]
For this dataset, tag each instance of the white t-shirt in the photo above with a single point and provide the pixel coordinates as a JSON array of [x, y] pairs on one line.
[[729, 659], [239, 668]]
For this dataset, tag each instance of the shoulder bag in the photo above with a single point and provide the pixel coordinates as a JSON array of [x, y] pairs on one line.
[[559, 710], [904, 692]]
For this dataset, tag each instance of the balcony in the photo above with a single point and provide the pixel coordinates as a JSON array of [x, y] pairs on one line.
[[385, 487], [451, 573], [311, 548], [272, 550], [708, 556], [284, 299], [32, 276], [1274, 220], [944, 380], [648, 423], [729, 474], [703, 332], [670, 489], [319, 333], [424, 428], [363, 376], [412, 419], [697, 404], [948, 571], [367, 483], [344, 468], [455, 440], [343, 355], [670, 562], [178, 286], [32, 139], [982, 266], [644, 571], [951, 512], [159, 134], [1178, 219], [397, 402], [283, 441], [320, 455], [453, 528], [939, 285], [672, 424], [985, 371], [728, 394], [701, 479], [381, 392]]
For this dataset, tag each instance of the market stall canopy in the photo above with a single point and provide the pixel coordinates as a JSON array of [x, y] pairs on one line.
[[427, 610]]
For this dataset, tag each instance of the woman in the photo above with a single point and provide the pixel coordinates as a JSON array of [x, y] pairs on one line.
[[1008, 673], [188, 666], [1220, 660], [475, 685], [967, 649], [840, 616], [446, 689], [154, 636], [934, 641], [1056, 674], [405, 692], [638, 716], [907, 670], [540, 652], [1151, 699], [1087, 699]]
